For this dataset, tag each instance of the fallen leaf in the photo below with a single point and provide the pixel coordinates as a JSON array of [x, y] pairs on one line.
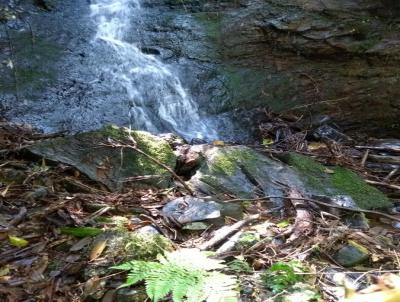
[[17, 241], [81, 231], [97, 249], [91, 286]]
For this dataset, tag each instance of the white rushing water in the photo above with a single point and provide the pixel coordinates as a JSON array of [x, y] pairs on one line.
[[155, 98]]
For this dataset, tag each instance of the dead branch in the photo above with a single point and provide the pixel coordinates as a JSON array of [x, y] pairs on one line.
[[329, 205], [389, 149], [226, 231], [303, 225]]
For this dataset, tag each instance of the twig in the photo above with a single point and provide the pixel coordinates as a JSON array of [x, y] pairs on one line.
[[364, 158], [331, 205], [390, 149], [385, 159], [383, 184]]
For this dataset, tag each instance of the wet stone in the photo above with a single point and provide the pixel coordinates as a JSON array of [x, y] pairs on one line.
[[131, 295], [189, 209], [352, 254]]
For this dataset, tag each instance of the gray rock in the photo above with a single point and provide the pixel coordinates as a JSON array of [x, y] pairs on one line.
[[131, 295], [243, 172], [147, 230], [351, 254], [189, 209], [111, 166]]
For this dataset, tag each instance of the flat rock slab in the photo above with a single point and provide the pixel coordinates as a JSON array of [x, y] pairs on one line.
[[91, 154]]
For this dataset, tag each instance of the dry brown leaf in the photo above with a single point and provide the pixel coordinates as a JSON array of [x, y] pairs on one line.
[[97, 249]]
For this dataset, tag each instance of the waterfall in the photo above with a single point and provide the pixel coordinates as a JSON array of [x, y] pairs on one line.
[[155, 98]]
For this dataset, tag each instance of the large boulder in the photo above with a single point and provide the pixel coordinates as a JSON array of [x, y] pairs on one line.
[[89, 153], [243, 172]]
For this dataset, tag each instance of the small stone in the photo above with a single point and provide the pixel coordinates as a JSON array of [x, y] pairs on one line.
[[147, 230], [351, 254], [131, 295], [196, 226], [357, 221], [189, 209], [328, 132]]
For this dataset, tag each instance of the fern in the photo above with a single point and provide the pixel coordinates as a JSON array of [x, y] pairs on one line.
[[187, 273]]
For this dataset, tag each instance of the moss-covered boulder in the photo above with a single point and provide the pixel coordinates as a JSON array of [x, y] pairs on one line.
[[91, 154], [246, 173], [242, 172], [336, 181]]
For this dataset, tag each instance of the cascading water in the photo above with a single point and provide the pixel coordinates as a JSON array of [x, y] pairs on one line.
[[156, 100]]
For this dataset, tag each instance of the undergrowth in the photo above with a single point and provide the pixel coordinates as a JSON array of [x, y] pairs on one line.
[[186, 273]]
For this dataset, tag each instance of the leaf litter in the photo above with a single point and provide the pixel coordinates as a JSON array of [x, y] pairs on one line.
[[50, 214]]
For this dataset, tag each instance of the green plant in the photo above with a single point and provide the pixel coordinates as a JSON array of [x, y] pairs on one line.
[[282, 275], [184, 273], [239, 266]]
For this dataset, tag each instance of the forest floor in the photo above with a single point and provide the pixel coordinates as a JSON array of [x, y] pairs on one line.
[[41, 259]]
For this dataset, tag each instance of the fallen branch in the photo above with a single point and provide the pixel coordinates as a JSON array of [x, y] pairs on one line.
[[303, 225], [226, 231], [329, 205], [385, 159]]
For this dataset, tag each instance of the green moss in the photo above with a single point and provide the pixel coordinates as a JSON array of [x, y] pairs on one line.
[[138, 247], [312, 172], [349, 183], [212, 24], [34, 62], [248, 239], [228, 161], [148, 143], [342, 181]]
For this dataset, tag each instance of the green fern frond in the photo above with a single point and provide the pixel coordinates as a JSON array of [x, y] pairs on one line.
[[183, 274]]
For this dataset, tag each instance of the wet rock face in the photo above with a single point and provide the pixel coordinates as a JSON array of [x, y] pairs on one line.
[[243, 54], [229, 55]]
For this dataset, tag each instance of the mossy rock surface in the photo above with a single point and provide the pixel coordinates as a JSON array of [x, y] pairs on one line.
[[332, 181], [243, 172], [246, 173], [111, 166]]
